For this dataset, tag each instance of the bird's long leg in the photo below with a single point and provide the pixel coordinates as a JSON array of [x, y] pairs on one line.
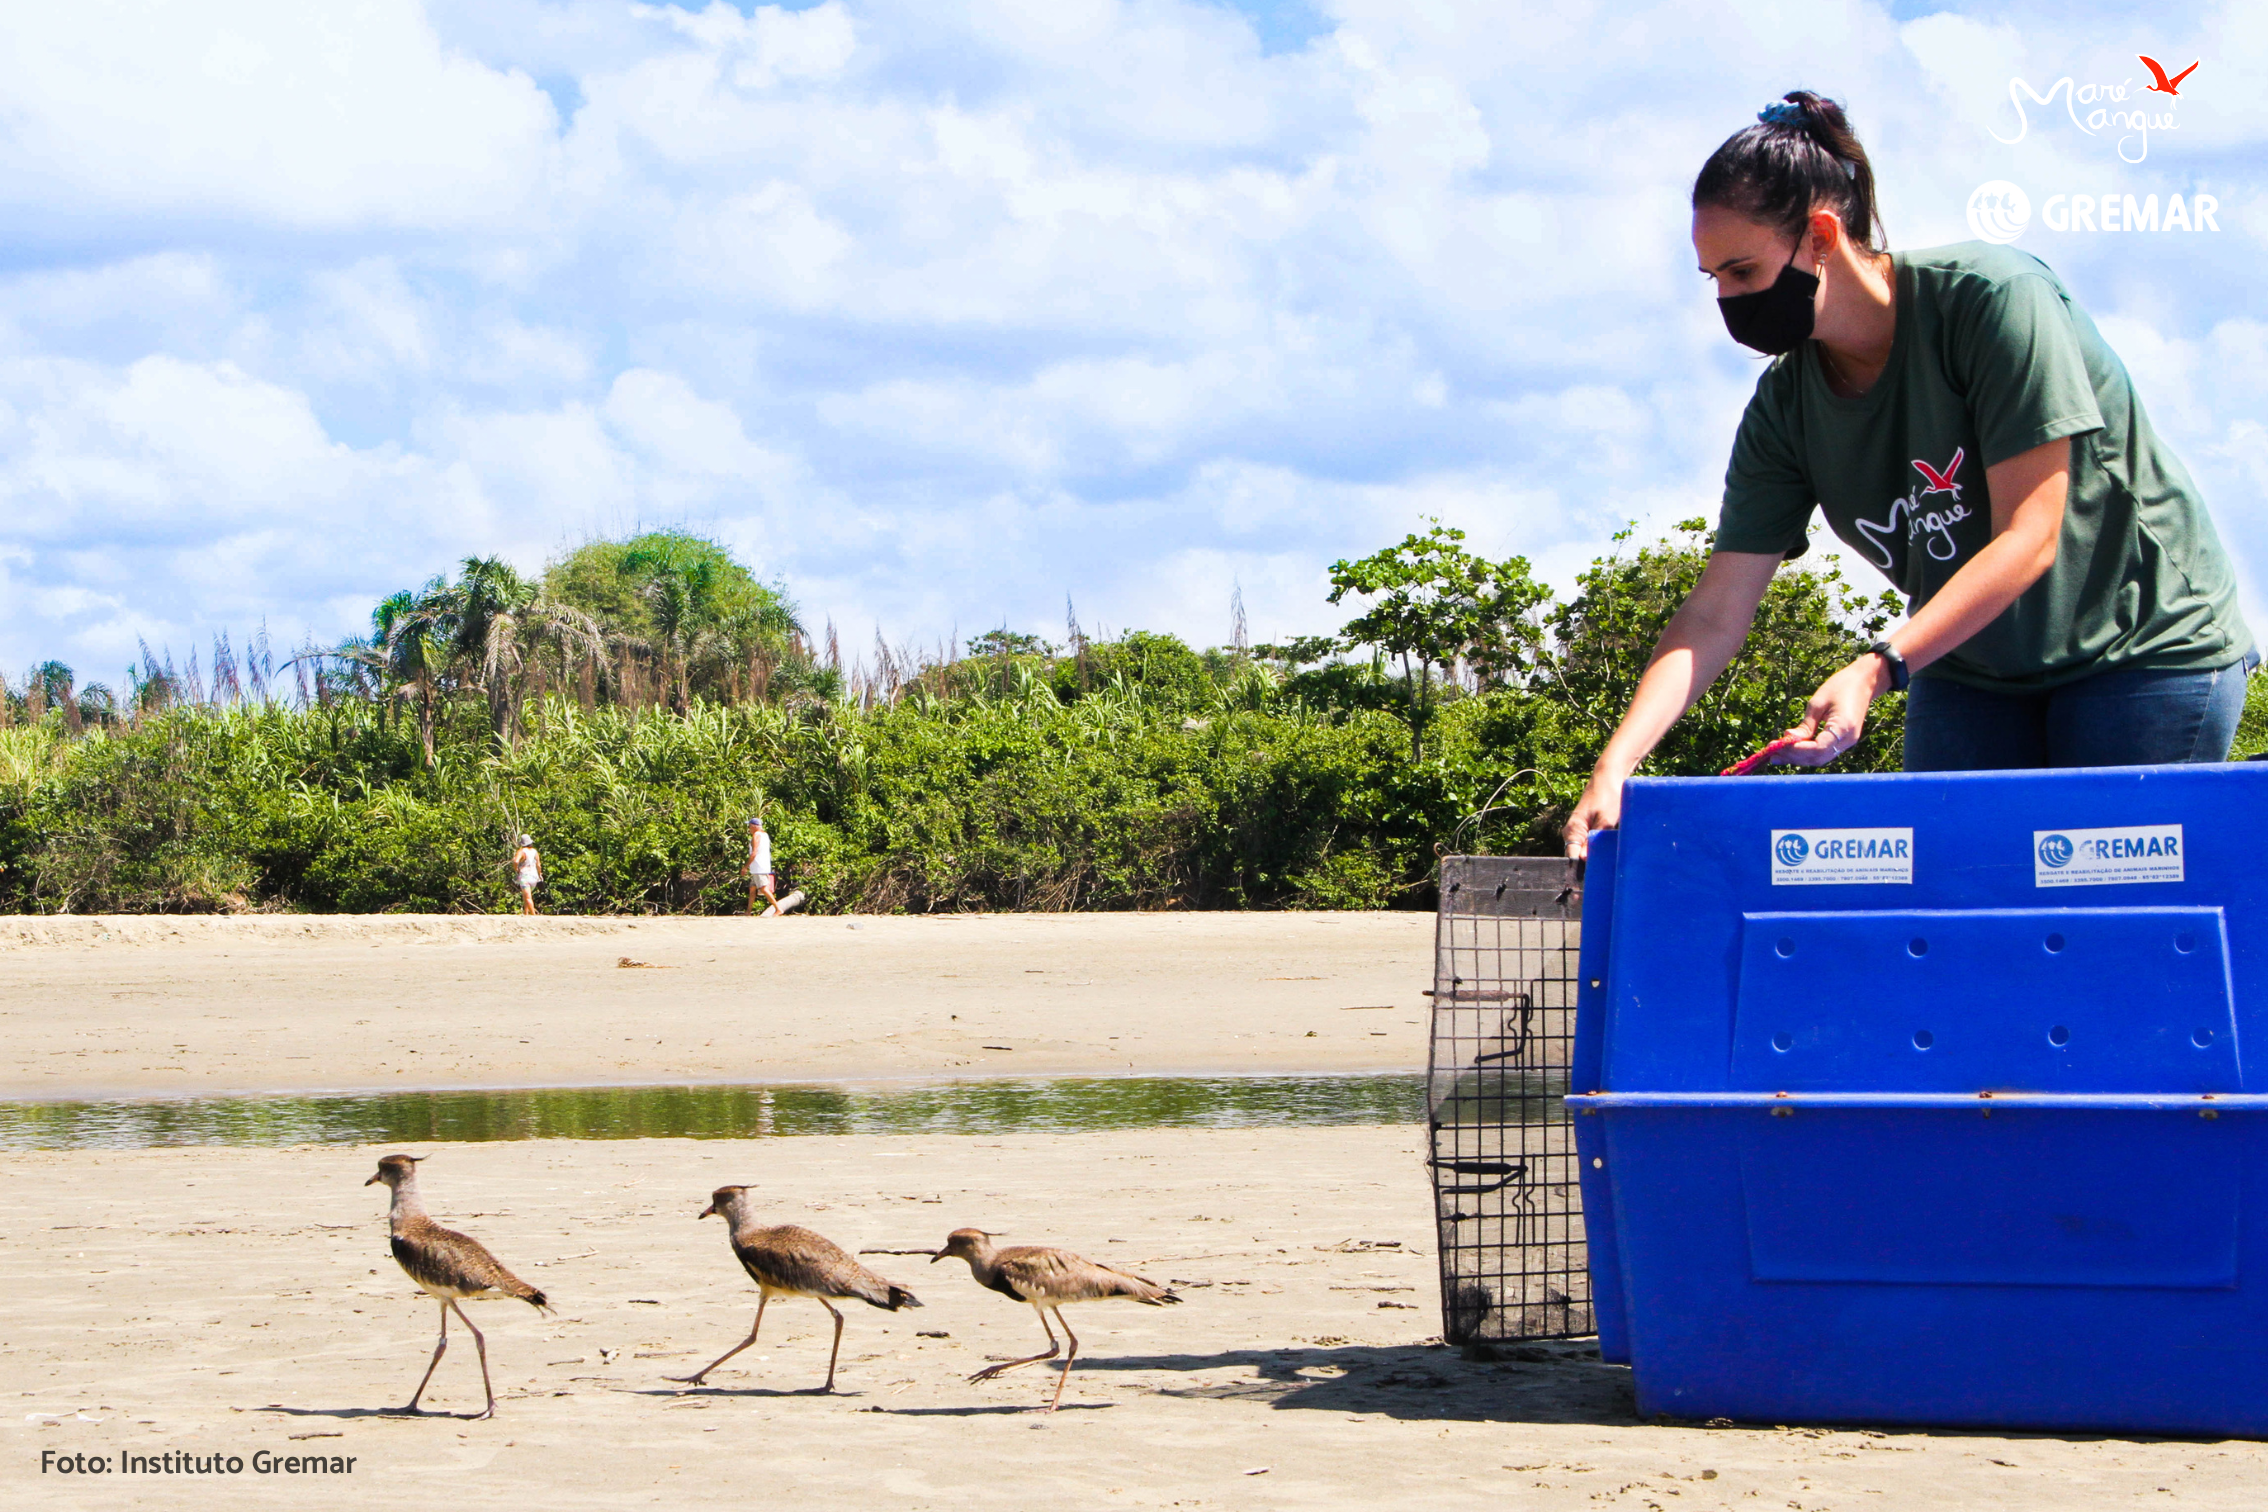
[[481, 1344], [1053, 1349], [439, 1349], [838, 1349], [695, 1378], [1067, 1359]]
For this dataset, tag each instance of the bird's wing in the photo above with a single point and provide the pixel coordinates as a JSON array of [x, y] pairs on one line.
[[439, 1256], [788, 1257], [2156, 71], [1044, 1273], [2175, 81]]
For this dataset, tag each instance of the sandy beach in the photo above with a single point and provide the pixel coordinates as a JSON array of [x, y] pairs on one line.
[[202, 1006], [241, 1301]]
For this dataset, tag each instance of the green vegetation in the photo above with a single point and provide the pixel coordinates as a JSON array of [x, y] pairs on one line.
[[633, 706]]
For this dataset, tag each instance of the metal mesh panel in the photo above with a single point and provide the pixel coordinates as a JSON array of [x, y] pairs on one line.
[[1506, 1192]]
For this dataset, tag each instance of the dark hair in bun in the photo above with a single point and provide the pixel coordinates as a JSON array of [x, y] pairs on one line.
[[1800, 156]]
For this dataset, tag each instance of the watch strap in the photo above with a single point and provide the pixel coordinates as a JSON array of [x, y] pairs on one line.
[[1899, 675]]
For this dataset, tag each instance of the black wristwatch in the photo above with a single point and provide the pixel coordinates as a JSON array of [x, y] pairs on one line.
[[1899, 676]]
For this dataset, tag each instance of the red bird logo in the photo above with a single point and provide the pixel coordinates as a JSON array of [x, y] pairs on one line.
[[2165, 85], [1942, 482]]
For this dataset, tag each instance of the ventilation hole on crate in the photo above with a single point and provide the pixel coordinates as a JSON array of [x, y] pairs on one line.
[[2201, 1038], [1923, 1039], [1917, 946], [1783, 1041], [1785, 948], [2059, 1036], [2054, 943], [2185, 942]]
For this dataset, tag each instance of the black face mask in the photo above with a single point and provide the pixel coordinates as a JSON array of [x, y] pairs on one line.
[[1774, 320]]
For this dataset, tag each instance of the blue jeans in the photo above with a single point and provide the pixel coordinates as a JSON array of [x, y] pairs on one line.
[[2110, 719]]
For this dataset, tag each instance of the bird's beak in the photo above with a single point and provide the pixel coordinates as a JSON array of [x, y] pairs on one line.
[[933, 1259], [705, 1212], [373, 1181]]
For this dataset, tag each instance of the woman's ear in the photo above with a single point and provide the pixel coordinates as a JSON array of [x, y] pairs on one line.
[[1826, 234]]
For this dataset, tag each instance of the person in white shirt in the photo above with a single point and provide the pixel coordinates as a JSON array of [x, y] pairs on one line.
[[760, 879], [527, 871]]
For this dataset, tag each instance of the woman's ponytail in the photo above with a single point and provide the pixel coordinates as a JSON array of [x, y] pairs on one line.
[[1800, 156]]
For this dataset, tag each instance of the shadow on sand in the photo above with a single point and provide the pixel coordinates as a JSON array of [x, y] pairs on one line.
[[403, 1414], [1531, 1383], [1542, 1383]]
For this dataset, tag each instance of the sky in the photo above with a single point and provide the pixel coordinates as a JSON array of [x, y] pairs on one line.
[[943, 314]]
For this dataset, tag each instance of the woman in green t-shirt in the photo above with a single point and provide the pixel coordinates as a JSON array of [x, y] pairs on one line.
[[1964, 427]]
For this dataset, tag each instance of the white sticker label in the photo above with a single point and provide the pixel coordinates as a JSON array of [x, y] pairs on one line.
[[1842, 855], [2100, 857]]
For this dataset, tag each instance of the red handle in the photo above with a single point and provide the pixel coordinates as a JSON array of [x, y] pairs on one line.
[[1747, 764]]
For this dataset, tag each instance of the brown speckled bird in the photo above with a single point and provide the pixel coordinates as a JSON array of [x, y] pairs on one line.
[[786, 1261], [451, 1267], [1049, 1279]]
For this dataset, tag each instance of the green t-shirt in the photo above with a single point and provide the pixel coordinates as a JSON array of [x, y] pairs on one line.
[[1992, 358]]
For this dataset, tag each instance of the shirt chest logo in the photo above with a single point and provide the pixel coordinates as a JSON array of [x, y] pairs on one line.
[[1916, 518], [1942, 482]]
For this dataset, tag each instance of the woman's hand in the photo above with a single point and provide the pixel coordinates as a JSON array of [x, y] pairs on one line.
[[1836, 715], [1600, 808], [1695, 646]]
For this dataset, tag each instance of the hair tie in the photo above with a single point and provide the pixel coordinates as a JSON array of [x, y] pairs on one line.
[[1781, 113]]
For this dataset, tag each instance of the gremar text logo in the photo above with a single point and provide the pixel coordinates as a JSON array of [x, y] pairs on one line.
[[2000, 212], [1809, 857], [2107, 857]]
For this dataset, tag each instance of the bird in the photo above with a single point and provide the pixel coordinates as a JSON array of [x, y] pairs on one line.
[[787, 1261], [1048, 1278], [1942, 482], [2164, 85], [450, 1266]]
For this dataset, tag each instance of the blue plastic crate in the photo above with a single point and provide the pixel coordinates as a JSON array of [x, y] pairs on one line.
[[1924, 1098]]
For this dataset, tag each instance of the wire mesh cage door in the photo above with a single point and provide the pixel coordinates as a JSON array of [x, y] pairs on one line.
[[1507, 1196]]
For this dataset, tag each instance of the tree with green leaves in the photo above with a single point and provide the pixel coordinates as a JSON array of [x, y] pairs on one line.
[[686, 607], [1007, 642], [503, 624], [1810, 624], [1433, 605], [409, 654]]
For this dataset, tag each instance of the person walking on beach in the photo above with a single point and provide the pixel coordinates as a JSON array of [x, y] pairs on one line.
[[760, 878], [527, 870]]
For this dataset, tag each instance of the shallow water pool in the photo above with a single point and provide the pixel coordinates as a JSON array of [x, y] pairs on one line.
[[1054, 1105]]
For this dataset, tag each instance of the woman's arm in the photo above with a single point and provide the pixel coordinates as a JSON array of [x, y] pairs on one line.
[[1700, 639], [2028, 492]]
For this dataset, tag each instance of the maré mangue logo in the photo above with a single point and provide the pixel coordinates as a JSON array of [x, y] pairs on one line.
[[2111, 108]]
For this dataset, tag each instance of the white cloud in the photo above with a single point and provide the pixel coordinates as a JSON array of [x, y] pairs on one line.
[[943, 312], [304, 115]]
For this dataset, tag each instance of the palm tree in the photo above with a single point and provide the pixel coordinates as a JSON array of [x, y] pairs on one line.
[[408, 652], [503, 622], [681, 593]]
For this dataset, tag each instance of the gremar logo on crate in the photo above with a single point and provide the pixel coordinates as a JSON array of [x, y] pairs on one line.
[[1800, 857], [2101, 857]]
